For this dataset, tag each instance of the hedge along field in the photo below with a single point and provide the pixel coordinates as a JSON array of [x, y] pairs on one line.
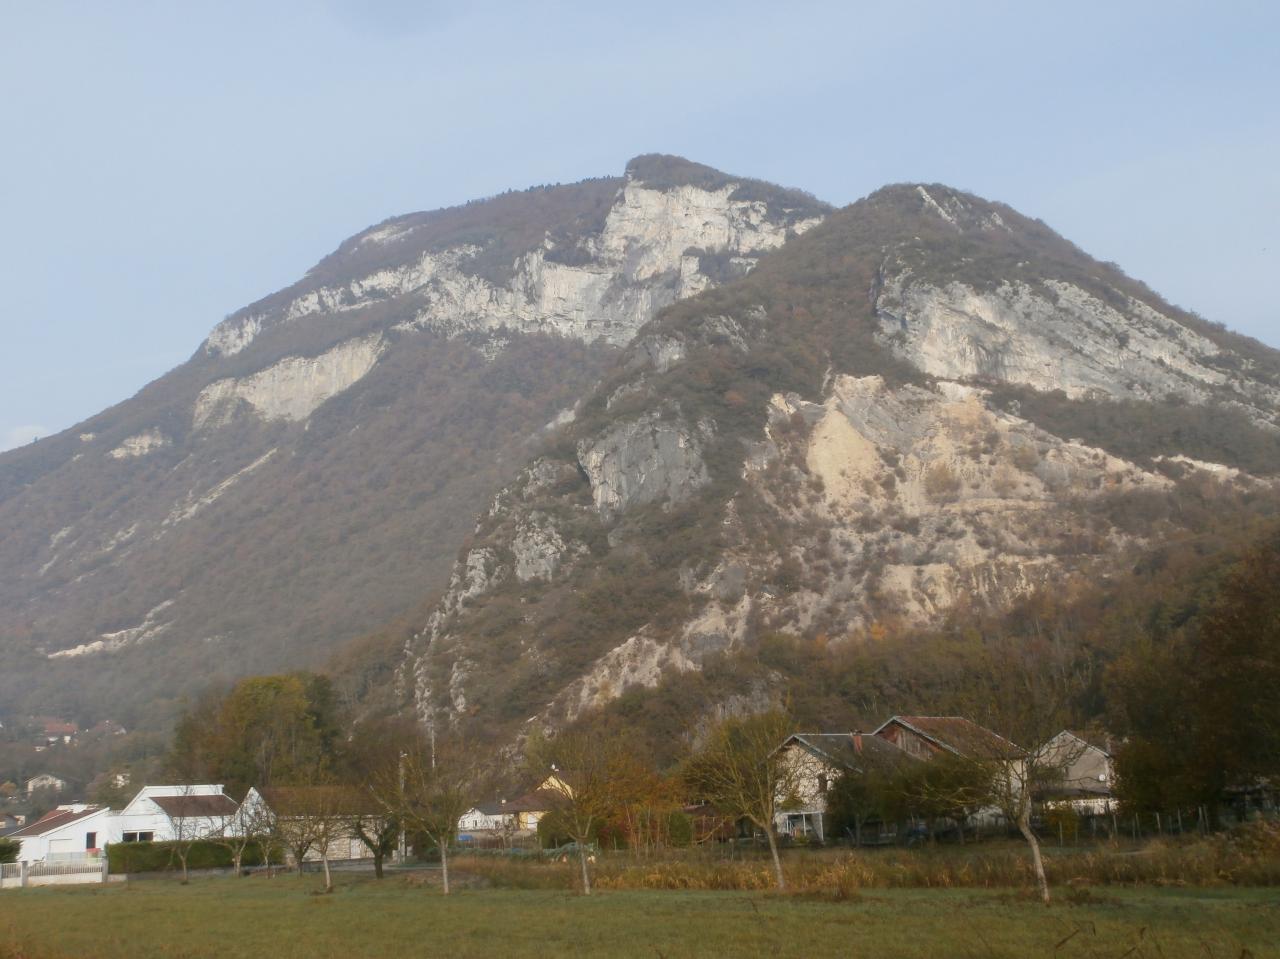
[[138, 857], [288, 917]]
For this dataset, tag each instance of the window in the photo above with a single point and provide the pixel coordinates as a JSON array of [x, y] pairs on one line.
[[822, 783], [146, 836], [91, 840]]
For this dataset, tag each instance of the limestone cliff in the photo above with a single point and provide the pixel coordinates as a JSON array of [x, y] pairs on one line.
[[822, 447], [311, 471]]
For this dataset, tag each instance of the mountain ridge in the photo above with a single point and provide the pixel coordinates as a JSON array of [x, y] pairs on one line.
[[293, 481], [702, 411], [771, 456]]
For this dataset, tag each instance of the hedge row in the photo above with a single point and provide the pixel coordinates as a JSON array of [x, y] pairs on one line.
[[9, 850], [126, 857]]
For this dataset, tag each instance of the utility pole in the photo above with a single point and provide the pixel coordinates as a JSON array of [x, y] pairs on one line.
[[404, 851]]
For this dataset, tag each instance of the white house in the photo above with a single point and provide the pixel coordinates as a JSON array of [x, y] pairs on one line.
[[45, 781], [164, 813], [1086, 769], [509, 818], [814, 762], [70, 833]]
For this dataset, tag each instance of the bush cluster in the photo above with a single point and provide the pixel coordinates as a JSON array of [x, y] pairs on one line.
[[132, 857]]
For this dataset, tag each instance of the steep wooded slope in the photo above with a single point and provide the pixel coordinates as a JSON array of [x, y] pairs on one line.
[[837, 442], [312, 470]]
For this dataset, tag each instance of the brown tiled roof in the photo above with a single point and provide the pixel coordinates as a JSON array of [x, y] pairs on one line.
[[861, 752], [301, 800], [959, 735], [536, 801], [186, 807], [54, 819]]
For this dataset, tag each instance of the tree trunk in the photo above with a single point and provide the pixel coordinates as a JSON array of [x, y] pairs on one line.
[[236, 856], [777, 860], [328, 879], [586, 876], [1024, 827], [444, 866], [857, 831], [185, 877], [377, 864]]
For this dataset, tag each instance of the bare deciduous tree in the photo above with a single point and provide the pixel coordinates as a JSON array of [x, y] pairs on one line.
[[579, 771], [1032, 685], [741, 772], [431, 789]]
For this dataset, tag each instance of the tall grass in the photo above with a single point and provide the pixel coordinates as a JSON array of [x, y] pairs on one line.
[[1249, 856]]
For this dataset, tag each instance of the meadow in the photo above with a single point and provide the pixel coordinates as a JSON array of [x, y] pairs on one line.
[[405, 915]]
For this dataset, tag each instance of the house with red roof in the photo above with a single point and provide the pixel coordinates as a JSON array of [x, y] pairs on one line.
[[74, 832]]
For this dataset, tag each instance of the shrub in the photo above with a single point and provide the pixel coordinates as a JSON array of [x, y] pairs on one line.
[[127, 857], [9, 850], [942, 484]]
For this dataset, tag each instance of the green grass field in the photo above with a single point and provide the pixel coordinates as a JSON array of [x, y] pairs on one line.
[[285, 917]]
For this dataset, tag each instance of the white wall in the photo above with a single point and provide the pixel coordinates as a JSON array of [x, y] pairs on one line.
[[69, 838], [143, 815]]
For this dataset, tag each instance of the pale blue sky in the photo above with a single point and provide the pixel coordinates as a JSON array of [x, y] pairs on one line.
[[162, 164]]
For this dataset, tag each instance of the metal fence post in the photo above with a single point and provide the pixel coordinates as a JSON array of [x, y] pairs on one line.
[[22, 874], [104, 868]]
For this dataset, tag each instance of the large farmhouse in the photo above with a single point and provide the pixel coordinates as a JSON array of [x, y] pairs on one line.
[[817, 761]]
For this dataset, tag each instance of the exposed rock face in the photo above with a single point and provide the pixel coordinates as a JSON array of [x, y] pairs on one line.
[[638, 264], [139, 445], [927, 497], [149, 629], [1052, 334], [291, 389], [894, 502], [456, 338], [862, 500], [809, 447], [540, 550], [647, 256], [648, 460]]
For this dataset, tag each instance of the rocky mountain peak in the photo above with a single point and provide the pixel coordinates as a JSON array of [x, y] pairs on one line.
[[311, 470], [601, 432], [925, 403]]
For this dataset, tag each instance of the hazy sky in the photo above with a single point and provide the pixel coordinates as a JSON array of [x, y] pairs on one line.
[[162, 164]]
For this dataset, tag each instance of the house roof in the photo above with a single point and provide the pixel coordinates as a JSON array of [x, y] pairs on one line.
[[536, 801], [860, 752], [1099, 740], [185, 807], [301, 800], [54, 819], [958, 735]]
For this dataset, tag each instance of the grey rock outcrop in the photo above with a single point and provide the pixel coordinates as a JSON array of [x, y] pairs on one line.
[[644, 461]]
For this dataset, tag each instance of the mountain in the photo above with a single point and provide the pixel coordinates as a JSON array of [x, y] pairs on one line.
[[311, 471], [928, 406]]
